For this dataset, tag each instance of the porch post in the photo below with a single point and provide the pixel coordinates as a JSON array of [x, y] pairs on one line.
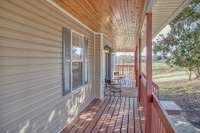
[[149, 55], [139, 70], [136, 66], [149, 71]]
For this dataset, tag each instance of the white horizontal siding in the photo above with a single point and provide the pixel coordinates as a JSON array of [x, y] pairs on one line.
[[97, 64], [31, 68]]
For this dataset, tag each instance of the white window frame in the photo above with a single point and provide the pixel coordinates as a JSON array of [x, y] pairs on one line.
[[83, 60]]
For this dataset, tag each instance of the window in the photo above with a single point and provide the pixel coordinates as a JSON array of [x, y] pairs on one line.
[[75, 61], [77, 47], [77, 74]]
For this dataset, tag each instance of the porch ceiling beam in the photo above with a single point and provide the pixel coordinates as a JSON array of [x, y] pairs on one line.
[[139, 68], [149, 5], [167, 11]]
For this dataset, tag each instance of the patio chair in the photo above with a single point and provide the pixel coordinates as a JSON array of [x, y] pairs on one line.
[[113, 89]]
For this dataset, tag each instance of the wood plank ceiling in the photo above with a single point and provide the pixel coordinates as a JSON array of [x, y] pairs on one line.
[[164, 11], [118, 19]]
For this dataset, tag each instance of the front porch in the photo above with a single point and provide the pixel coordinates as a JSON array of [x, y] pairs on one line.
[[111, 114], [56, 55]]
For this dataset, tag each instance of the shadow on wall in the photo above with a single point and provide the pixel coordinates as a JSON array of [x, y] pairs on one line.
[[56, 116]]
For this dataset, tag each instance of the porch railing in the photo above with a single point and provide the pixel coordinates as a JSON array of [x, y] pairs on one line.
[[126, 72], [155, 89], [159, 120], [125, 69], [127, 82]]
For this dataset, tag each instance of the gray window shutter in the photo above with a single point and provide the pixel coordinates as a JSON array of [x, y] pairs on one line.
[[66, 61], [86, 65]]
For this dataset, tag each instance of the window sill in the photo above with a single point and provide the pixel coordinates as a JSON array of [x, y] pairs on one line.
[[78, 89]]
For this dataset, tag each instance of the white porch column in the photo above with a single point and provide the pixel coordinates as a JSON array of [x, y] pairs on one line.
[[102, 67]]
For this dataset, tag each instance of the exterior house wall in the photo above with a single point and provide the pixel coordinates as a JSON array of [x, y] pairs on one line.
[[107, 41], [97, 64], [31, 97]]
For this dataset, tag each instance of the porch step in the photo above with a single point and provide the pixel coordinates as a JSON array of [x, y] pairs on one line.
[[171, 107]]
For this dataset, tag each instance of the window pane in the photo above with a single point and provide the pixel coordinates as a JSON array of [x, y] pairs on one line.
[[77, 74], [67, 81], [77, 46]]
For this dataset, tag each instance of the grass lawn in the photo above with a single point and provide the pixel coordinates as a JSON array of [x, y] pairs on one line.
[[174, 85]]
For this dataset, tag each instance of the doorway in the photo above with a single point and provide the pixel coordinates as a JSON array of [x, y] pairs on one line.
[[108, 53]]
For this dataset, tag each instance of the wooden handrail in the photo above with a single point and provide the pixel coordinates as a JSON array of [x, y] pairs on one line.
[[155, 89], [160, 122], [162, 117], [143, 75]]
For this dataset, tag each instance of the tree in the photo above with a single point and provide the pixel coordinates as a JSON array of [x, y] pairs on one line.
[[181, 46]]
